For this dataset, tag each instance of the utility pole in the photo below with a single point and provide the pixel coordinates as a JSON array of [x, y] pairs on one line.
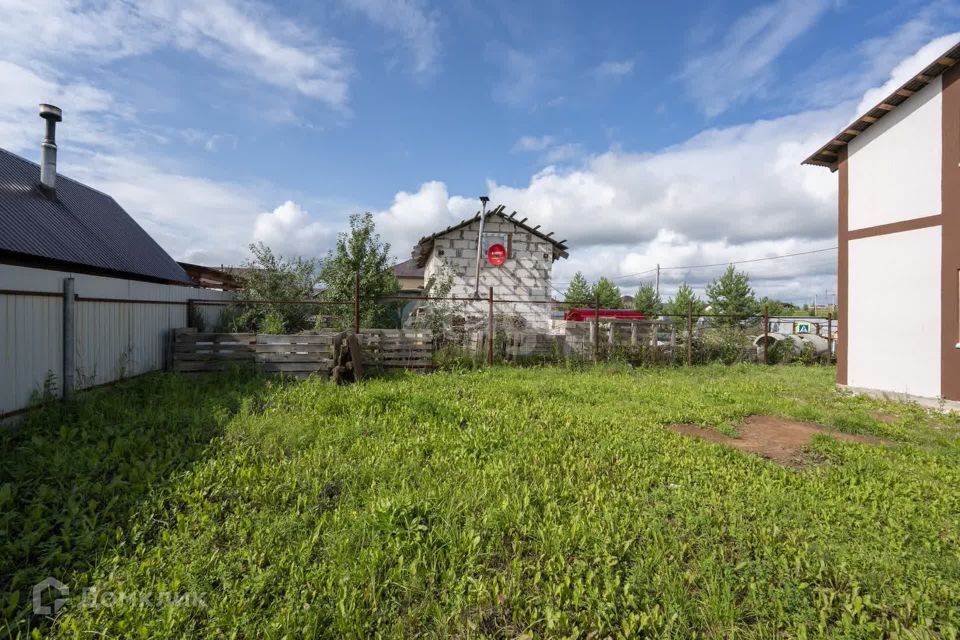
[[658, 281]]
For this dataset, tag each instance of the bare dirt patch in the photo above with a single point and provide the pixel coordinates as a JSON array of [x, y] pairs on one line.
[[880, 416], [778, 439]]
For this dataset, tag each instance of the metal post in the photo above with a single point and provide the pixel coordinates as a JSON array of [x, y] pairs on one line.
[[829, 336], [490, 327], [766, 331], [69, 337], [483, 215], [596, 327], [689, 334], [356, 303], [658, 282]]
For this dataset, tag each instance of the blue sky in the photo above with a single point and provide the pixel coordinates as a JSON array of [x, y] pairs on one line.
[[643, 132]]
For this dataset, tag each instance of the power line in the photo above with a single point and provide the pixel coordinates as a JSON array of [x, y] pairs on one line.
[[722, 264]]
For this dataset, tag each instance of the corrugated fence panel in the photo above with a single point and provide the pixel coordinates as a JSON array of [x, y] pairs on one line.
[[113, 339]]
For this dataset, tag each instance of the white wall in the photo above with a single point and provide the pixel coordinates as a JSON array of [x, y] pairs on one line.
[[113, 339], [524, 276], [894, 313], [895, 165]]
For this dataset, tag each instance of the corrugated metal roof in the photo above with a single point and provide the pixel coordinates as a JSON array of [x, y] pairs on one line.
[[79, 225], [829, 153], [423, 248]]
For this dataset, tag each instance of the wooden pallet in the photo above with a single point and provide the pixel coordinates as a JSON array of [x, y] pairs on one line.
[[299, 355]]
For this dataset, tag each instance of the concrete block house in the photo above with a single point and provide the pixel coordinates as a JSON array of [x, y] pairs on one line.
[[524, 277], [899, 239]]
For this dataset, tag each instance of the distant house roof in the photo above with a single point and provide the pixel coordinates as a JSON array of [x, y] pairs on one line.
[[828, 154], [408, 269], [78, 227], [423, 248], [211, 277]]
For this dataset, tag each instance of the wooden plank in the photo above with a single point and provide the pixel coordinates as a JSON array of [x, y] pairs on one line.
[[295, 348], [274, 367], [224, 337], [218, 365], [294, 357], [213, 357], [305, 339]]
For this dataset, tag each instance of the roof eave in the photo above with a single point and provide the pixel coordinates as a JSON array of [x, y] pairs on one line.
[[828, 154]]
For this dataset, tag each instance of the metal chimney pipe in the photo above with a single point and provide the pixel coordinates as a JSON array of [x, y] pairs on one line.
[[483, 214], [48, 150]]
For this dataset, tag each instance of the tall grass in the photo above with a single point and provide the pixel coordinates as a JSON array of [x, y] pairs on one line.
[[493, 503]]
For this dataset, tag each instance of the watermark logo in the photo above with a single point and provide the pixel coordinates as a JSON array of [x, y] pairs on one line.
[[42, 587], [93, 598]]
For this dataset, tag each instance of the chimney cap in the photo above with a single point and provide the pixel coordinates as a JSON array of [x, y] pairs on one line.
[[50, 112]]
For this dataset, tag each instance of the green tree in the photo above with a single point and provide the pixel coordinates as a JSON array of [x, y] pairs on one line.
[[776, 307], [731, 294], [648, 300], [578, 293], [608, 293], [685, 300], [360, 250], [270, 276]]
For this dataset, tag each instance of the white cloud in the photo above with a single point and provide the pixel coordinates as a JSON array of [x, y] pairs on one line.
[[613, 68], [741, 67], [550, 149], [533, 143], [289, 229], [243, 36], [726, 194], [410, 21], [529, 78]]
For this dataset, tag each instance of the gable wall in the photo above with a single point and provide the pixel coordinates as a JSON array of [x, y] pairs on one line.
[[526, 275]]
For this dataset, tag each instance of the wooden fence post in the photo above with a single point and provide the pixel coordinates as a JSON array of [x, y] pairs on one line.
[[69, 338], [689, 334], [490, 327], [356, 303]]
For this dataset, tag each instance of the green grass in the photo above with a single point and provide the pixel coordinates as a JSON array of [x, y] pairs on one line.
[[493, 503]]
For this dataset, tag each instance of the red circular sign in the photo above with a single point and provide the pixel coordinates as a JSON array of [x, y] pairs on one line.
[[496, 255]]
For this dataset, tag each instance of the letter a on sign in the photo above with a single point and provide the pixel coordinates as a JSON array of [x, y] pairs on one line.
[[496, 255]]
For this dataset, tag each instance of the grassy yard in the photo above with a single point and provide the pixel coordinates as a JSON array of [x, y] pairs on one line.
[[495, 503]]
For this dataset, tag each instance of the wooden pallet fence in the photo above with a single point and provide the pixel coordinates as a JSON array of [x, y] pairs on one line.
[[297, 355], [397, 349]]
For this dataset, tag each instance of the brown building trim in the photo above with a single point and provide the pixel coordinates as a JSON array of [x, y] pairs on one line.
[[842, 265], [895, 227], [950, 238]]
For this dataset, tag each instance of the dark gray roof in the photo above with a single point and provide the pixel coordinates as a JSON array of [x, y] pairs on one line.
[[423, 248], [78, 226]]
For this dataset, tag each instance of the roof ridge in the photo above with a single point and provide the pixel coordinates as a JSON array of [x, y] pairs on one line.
[[60, 176]]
